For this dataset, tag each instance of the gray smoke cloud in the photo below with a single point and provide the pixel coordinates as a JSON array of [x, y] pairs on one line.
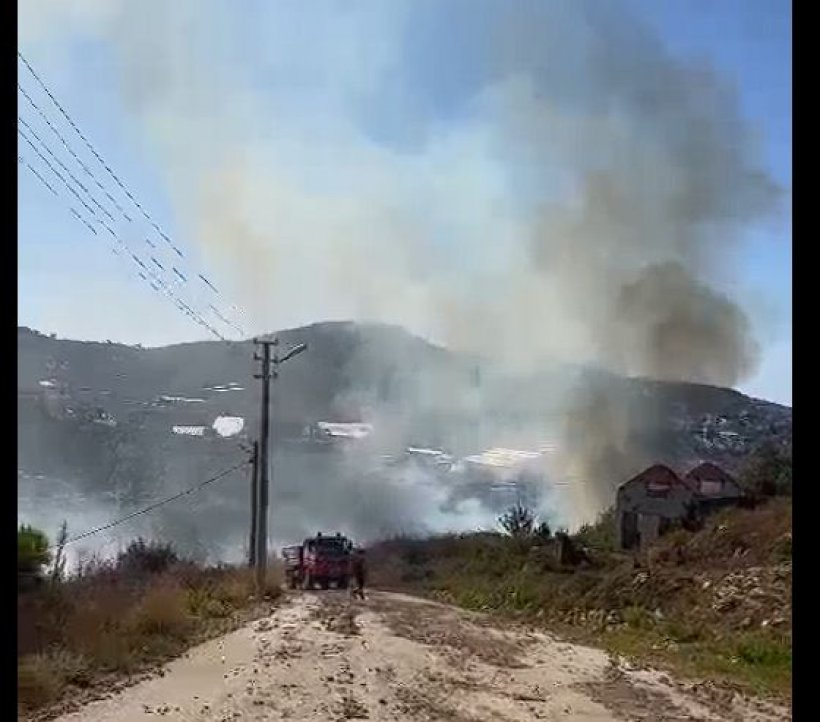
[[574, 201]]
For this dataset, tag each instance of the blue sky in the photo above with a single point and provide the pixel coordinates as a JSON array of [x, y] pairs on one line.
[[387, 99]]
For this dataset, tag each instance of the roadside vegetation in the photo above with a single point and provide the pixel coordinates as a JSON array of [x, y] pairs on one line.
[[713, 603], [114, 619]]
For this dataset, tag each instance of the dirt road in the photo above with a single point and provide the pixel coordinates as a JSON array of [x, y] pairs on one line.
[[321, 657]]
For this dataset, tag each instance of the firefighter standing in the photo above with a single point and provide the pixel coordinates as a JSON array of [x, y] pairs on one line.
[[357, 563]]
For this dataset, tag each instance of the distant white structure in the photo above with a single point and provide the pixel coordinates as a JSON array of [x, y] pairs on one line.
[[416, 451], [228, 425], [230, 386], [178, 399], [345, 430], [189, 430], [501, 466], [499, 458], [434, 457]]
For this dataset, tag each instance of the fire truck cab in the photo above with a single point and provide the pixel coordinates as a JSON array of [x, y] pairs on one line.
[[323, 560]]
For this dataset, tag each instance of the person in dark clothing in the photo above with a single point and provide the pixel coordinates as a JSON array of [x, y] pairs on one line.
[[358, 570]]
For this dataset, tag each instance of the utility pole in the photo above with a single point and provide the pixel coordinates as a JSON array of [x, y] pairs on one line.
[[254, 505], [261, 556], [270, 370]]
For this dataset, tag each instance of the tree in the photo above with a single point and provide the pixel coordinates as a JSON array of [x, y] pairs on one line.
[[518, 522], [543, 531], [32, 551], [58, 570]]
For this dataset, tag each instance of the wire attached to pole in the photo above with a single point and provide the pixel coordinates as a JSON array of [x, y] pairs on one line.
[[153, 506]]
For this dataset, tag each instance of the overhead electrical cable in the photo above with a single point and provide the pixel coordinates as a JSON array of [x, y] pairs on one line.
[[113, 175]]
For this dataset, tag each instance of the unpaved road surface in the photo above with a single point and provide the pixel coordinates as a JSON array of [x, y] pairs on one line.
[[321, 657]]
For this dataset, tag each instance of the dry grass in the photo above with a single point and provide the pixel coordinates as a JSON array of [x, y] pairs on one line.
[[733, 538], [41, 678], [111, 621], [161, 611]]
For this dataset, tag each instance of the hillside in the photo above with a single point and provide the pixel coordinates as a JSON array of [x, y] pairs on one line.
[[95, 421], [119, 377], [352, 371]]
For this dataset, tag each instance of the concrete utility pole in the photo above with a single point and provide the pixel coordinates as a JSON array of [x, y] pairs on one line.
[[270, 370]]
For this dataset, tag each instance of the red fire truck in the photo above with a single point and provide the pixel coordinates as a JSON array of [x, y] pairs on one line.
[[323, 560]]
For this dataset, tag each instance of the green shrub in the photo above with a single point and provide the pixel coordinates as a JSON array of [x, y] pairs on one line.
[[543, 531], [637, 617], [760, 651], [682, 632], [768, 471], [32, 551], [600, 535], [141, 557]]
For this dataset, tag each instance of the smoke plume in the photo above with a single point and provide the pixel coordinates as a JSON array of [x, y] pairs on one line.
[[559, 189]]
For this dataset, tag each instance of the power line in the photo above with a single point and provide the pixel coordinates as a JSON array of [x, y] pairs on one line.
[[71, 208], [155, 282], [60, 176], [42, 180], [62, 165], [79, 216], [153, 506], [91, 197], [108, 169], [65, 143], [79, 132], [57, 173], [71, 151]]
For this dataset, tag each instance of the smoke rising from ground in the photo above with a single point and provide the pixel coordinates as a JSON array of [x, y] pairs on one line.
[[562, 189]]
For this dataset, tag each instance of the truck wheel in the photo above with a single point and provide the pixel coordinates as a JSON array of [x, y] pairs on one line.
[[324, 584], [344, 583]]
